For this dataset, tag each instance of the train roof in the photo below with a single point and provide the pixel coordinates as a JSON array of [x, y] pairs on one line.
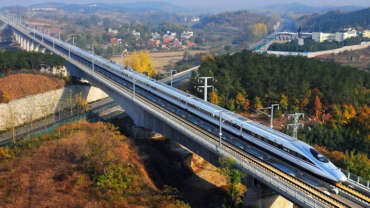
[[226, 114]]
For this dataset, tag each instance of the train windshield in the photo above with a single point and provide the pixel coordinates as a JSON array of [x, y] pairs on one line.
[[319, 156]]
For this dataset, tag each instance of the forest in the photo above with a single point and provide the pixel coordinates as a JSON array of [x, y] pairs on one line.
[[334, 98], [312, 46], [335, 21], [20, 60]]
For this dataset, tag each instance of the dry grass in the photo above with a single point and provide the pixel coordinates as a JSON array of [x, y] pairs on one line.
[[358, 58], [20, 85], [162, 59], [54, 175]]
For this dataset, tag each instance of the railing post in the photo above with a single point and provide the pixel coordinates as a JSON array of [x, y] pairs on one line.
[[134, 82], [220, 129]]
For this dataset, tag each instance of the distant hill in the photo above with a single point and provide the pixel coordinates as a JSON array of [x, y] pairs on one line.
[[238, 26], [299, 8], [144, 12], [120, 7], [335, 20]]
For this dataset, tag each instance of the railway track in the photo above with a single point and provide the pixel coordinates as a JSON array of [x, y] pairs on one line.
[[355, 195], [306, 188], [273, 172]]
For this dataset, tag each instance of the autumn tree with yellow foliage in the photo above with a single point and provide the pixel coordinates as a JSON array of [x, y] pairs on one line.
[[140, 62], [259, 29], [257, 103], [284, 102], [213, 98], [242, 102]]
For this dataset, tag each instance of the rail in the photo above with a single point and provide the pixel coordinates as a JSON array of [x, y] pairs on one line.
[[283, 182]]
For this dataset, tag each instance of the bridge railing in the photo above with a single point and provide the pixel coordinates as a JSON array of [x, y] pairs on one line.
[[357, 179], [279, 185]]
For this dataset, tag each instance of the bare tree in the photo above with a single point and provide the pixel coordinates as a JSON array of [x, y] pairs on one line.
[[11, 121], [31, 112]]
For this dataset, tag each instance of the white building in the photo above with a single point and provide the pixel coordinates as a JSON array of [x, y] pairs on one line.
[[156, 36], [366, 34], [110, 30], [340, 36], [136, 34], [186, 35], [195, 19], [169, 35], [321, 37]]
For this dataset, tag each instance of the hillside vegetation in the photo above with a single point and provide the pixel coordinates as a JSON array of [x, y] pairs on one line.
[[20, 76], [235, 27], [19, 85], [334, 98], [79, 165], [21, 60], [334, 21]]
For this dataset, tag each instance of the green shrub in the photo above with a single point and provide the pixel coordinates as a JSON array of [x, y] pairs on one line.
[[116, 179]]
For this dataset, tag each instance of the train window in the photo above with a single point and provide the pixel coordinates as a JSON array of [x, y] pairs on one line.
[[318, 156]]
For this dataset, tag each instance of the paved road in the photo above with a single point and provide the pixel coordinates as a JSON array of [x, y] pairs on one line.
[[180, 77]]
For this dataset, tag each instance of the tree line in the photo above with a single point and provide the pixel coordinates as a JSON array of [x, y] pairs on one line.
[[334, 21], [335, 98], [20, 60]]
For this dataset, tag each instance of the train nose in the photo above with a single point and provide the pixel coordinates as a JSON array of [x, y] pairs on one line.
[[341, 177]]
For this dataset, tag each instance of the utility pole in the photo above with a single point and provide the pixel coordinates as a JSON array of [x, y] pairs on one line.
[[59, 35], [134, 83], [73, 40], [296, 123], [92, 57], [122, 62], [172, 76], [220, 128], [271, 116], [206, 86]]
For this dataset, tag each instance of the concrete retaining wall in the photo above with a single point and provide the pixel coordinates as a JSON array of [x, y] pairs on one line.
[[33, 107], [319, 53]]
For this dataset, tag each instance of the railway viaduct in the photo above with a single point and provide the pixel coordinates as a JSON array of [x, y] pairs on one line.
[[150, 115]]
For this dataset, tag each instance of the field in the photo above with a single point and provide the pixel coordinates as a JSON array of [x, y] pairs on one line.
[[358, 59], [161, 60]]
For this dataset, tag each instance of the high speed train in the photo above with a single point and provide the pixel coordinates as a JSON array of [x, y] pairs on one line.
[[237, 130]]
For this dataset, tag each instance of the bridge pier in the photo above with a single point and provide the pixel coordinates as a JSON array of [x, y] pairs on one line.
[[28, 45], [37, 48], [146, 114], [32, 46], [261, 196], [258, 195]]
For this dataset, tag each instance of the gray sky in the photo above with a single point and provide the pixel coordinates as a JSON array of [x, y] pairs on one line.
[[211, 4]]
